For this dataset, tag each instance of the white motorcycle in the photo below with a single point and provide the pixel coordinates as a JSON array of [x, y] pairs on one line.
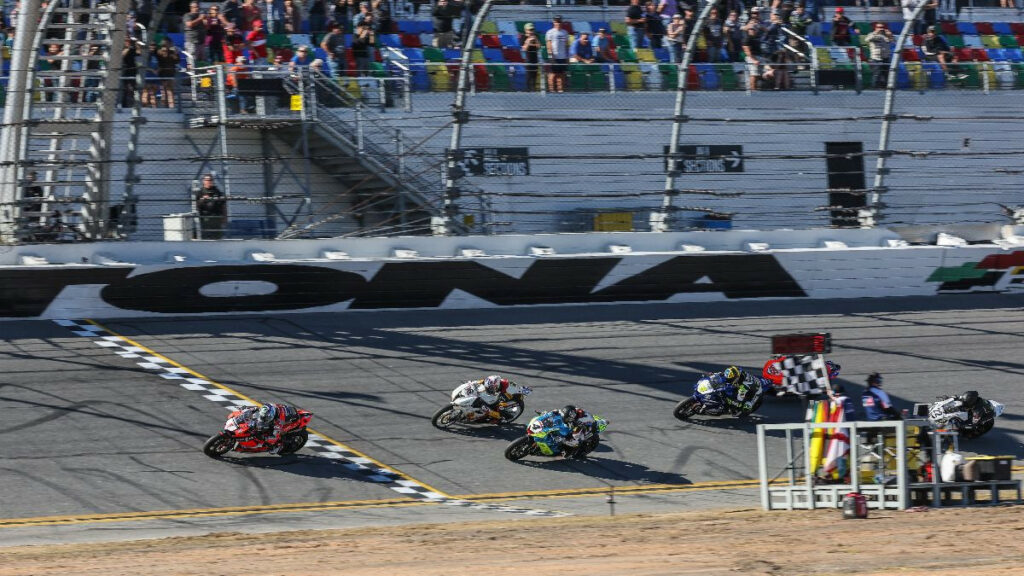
[[950, 413], [461, 410]]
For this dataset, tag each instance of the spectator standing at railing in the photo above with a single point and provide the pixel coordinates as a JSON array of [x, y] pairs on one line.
[[655, 28], [234, 45], [257, 42], [216, 30], [879, 53], [752, 54], [774, 40], [557, 41], [194, 24], [674, 34], [813, 10], [212, 209], [667, 9], [129, 71], [531, 51], [292, 17], [936, 49], [151, 79], [167, 60], [636, 24], [842, 28], [333, 44], [799, 20], [714, 36], [318, 16], [363, 15], [318, 66], [247, 14], [733, 36], [362, 43], [602, 47], [442, 15]]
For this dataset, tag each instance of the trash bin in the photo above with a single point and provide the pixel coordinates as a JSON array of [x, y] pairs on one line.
[[179, 227]]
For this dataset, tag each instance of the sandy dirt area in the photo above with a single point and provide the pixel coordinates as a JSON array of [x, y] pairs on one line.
[[975, 541]]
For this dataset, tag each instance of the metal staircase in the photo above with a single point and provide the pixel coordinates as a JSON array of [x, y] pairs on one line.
[[61, 136]]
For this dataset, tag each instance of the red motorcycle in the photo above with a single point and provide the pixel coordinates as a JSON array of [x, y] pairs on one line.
[[238, 432]]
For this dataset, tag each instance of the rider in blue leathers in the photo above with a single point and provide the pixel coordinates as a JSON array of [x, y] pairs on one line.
[[571, 425]]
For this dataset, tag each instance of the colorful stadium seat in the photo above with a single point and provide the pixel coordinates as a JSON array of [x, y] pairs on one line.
[[1008, 41], [493, 55], [989, 41], [512, 55], [510, 41], [984, 28], [967, 28], [1001, 28], [948, 27], [411, 40]]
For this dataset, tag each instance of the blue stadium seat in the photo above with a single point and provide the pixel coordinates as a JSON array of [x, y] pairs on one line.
[[817, 40], [452, 53], [996, 55], [936, 79], [967, 28], [662, 54], [896, 27], [420, 79], [518, 77], [510, 41], [595, 26], [902, 77], [708, 76], [493, 55], [391, 40], [619, 76], [178, 38], [1002, 28], [415, 54], [1013, 54], [542, 27]]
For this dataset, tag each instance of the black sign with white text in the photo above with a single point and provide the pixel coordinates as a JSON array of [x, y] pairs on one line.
[[708, 159], [492, 162]]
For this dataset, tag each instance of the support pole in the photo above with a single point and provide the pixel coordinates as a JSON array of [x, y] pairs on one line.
[[881, 170], [659, 220]]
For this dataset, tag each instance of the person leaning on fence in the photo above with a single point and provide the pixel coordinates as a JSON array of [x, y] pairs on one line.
[[876, 402], [582, 50], [256, 40], [936, 49], [842, 28], [194, 23], [602, 47], [531, 53], [167, 61], [211, 206], [879, 43], [362, 43], [753, 56], [675, 33]]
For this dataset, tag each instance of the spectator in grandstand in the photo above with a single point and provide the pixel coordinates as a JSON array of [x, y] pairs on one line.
[[602, 47], [753, 19], [689, 22], [385, 23], [655, 28], [842, 28], [362, 43], [247, 14], [799, 20], [667, 9], [302, 58], [443, 14], [557, 41], [734, 35], [233, 81], [364, 14], [531, 52], [129, 72], [880, 42], [470, 8], [333, 44], [908, 6], [582, 50], [212, 209], [636, 24], [275, 16], [774, 41], [256, 40], [292, 17], [753, 55], [675, 34], [93, 65], [714, 36], [194, 24], [936, 49], [167, 60], [216, 31], [318, 16], [947, 10], [232, 12], [173, 12], [318, 66], [929, 17], [785, 9], [234, 45], [151, 83], [813, 10]]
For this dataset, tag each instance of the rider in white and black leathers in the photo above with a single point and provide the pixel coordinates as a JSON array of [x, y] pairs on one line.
[[967, 407], [490, 391]]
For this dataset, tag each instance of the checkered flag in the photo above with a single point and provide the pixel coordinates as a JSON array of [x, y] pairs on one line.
[[804, 374]]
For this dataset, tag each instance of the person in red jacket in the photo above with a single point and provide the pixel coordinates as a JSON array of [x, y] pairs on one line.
[[257, 41]]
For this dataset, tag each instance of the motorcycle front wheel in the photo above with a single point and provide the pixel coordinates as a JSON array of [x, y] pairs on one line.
[[218, 445], [519, 449], [444, 418], [586, 447], [686, 408]]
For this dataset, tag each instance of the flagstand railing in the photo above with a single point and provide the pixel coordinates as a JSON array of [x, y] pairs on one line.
[[802, 490]]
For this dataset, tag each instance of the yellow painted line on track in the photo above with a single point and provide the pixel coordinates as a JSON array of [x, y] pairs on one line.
[[244, 397]]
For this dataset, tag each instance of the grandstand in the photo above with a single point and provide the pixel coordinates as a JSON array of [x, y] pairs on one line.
[[362, 152]]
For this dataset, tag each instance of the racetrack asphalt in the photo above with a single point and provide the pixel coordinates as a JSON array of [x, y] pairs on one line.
[[97, 448]]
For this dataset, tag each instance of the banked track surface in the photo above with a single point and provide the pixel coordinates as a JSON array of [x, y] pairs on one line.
[[94, 439]]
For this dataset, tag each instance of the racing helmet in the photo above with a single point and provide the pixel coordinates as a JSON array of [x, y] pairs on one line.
[[833, 369], [266, 415], [970, 398], [569, 414], [492, 384], [733, 375], [874, 379]]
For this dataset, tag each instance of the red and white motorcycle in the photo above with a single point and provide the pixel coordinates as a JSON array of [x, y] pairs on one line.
[[464, 408]]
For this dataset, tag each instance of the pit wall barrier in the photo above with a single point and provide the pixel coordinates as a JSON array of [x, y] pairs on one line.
[[117, 280]]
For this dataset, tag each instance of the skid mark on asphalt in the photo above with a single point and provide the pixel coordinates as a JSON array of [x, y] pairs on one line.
[[364, 466]]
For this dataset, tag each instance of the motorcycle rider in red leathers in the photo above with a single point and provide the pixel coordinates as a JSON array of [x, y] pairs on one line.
[[490, 391], [267, 424]]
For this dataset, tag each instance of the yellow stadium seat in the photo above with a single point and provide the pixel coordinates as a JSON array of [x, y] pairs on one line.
[[990, 41], [918, 79], [351, 86], [489, 27], [645, 55], [634, 76], [619, 27], [440, 81]]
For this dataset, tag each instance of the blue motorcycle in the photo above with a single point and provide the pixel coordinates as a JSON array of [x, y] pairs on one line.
[[709, 397]]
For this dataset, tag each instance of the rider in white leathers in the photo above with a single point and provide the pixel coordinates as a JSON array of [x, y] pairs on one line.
[[490, 391]]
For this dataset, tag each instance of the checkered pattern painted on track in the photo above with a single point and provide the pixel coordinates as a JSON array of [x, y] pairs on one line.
[[321, 445]]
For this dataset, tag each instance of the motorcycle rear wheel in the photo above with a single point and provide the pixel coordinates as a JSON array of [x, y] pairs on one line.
[[513, 411], [444, 417], [218, 445], [519, 449], [686, 408], [294, 442]]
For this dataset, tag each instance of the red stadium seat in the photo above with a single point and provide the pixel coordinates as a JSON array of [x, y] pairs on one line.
[[980, 54], [963, 54], [490, 40], [949, 27], [1017, 28], [512, 54], [910, 55], [918, 39], [984, 28], [411, 41], [481, 78]]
